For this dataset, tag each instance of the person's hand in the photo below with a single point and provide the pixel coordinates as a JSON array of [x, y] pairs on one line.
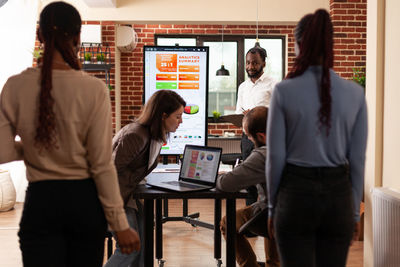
[[271, 231], [356, 233], [245, 111], [128, 240]]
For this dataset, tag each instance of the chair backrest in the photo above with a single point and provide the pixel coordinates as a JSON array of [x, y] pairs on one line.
[[257, 225]]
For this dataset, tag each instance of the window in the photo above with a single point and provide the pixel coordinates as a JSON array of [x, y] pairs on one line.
[[274, 62], [176, 41], [223, 89]]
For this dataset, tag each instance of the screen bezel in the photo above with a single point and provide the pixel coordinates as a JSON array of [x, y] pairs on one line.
[[202, 148], [180, 48]]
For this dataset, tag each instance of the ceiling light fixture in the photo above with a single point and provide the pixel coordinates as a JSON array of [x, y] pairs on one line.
[[222, 71], [257, 44]]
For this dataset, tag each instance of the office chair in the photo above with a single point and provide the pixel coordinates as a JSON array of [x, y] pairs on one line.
[[230, 158], [257, 225]]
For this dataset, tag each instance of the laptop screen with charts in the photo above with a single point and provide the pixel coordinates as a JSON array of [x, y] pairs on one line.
[[199, 170]]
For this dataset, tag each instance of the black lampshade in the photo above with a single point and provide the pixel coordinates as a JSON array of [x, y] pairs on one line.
[[222, 71]]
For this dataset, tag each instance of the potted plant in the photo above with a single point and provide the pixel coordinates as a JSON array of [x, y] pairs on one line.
[[359, 76], [100, 58], [216, 115], [88, 58]]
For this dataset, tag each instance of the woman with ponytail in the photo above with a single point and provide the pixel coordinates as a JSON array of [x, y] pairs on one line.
[[316, 139], [63, 117]]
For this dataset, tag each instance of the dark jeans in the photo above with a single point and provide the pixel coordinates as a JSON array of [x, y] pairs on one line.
[[62, 224], [246, 146], [314, 219]]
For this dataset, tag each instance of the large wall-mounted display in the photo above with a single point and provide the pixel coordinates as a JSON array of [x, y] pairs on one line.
[[184, 70]]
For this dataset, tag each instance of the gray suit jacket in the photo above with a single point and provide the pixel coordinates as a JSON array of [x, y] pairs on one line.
[[131, 153]]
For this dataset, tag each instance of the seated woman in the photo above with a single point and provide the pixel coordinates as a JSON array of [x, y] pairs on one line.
[[136, 148]]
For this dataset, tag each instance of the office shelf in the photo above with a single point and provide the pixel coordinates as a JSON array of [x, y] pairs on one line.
[[100, 59]]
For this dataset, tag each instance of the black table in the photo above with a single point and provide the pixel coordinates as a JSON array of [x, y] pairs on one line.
[[149, 195]]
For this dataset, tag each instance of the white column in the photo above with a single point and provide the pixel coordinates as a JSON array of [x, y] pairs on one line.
[[375, 95], [18, 20], [117, 81], [18, 31]]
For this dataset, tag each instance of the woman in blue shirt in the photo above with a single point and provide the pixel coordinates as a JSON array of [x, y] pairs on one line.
[[316, 139]]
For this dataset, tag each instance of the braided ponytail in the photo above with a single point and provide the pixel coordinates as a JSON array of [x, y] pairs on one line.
[[314, 34], [59, 24]]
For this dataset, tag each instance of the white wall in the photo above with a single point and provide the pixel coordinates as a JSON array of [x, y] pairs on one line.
[[18, 28], [217, 11], [18, 25], [391, 138], [383, 97], [374, 93]]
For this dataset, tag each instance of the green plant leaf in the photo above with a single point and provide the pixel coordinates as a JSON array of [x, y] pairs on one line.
[[359, 76], [88, 56], [216, 114]]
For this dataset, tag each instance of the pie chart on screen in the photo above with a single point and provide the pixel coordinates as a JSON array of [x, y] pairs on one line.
[[191, 109]]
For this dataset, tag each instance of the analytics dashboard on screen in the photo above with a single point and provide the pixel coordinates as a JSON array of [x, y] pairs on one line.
[[185, 71]]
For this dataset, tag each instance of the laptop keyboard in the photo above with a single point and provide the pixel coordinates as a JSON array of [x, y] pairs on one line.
[[183, 184]]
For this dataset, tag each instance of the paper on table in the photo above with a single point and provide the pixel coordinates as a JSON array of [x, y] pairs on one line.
[[167, 168]]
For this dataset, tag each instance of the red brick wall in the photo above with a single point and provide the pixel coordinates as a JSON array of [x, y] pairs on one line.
[[221, 128], [132, 63], [108, 38], [349, 18]]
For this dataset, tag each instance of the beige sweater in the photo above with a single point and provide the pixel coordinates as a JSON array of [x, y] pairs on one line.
[[84, 134]]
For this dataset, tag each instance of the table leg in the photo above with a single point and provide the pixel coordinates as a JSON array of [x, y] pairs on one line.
[[217, 231], [184, 207], [230, 232], [148, 232], [159, 234], [109, 244], [166, 208]]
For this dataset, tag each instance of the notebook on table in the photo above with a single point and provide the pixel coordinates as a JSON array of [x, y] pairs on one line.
[[198, 171]]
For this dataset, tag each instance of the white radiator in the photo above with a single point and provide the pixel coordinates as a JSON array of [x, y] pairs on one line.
[[386, 227], [228, 144]]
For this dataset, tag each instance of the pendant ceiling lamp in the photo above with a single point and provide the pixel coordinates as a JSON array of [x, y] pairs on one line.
[[257, 44], [222, 71]]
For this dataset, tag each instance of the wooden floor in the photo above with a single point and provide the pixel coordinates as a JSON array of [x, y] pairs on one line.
[[184, 245]]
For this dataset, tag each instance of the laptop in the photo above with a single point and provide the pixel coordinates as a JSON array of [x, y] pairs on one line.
[[198, 171]]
